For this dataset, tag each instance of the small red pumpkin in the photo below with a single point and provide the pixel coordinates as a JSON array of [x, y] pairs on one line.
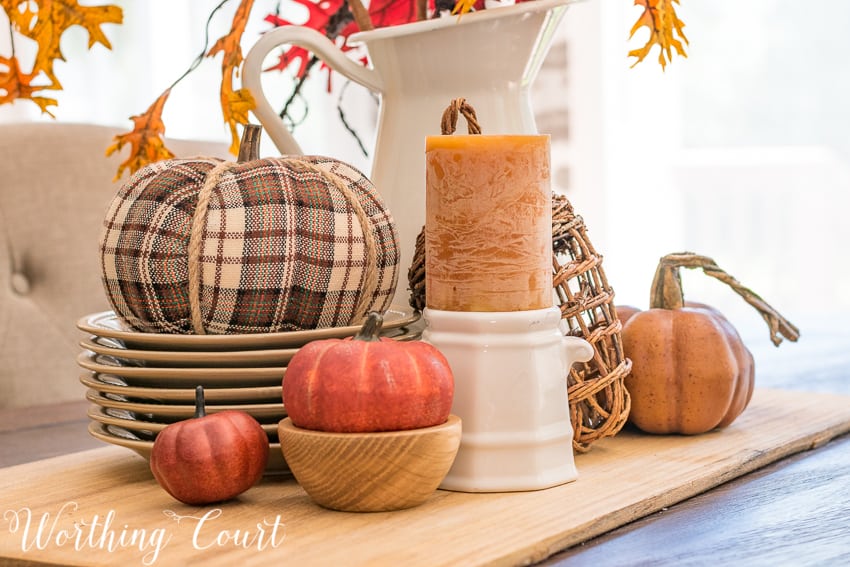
[[210, 458], [368, 383], [691, 372]]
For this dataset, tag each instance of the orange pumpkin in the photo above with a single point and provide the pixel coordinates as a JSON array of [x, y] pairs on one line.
[[691, 372], [368, 383]]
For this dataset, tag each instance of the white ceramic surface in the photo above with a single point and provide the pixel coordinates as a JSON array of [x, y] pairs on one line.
[[511, 393], [490, 57]]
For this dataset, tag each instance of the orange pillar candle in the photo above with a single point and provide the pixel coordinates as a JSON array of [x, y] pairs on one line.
[[488, 223]]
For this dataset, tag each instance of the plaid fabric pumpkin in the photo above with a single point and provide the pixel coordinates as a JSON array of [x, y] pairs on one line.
[[269, 245]]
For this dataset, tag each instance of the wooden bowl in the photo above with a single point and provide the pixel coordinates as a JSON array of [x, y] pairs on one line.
[[370, 472]]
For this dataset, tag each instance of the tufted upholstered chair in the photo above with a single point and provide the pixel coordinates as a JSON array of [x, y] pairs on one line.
[[55, 185]]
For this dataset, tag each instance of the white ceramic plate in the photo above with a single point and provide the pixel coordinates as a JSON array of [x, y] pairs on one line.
[[107, 324], [181, 377], [264, 413], [123, 438], [147, 430], [111, 384]]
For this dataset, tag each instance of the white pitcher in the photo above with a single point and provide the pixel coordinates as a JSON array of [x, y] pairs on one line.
[[490, 57]]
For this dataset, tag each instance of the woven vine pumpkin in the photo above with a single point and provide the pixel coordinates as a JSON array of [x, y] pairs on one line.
[[259, 245]]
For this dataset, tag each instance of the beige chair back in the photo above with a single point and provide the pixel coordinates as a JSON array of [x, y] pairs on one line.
[[55, 185]]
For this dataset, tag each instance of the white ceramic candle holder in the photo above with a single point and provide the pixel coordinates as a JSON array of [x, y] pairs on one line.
[[510, 373]]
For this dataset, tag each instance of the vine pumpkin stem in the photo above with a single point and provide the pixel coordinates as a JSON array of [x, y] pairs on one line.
[[459, 107], [666, 292]]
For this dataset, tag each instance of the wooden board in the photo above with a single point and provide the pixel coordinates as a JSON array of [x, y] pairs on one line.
[[621, 479]]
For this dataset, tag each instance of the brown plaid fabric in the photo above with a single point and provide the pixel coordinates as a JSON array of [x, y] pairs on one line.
[[281, 249]]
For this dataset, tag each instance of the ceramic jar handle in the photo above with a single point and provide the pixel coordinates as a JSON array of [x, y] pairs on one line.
[[314, 42]]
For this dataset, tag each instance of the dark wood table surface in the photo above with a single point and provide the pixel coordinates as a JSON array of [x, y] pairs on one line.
[[793, 512]]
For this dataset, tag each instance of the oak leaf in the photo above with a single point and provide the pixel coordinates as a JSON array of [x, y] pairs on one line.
[[659, 16], [235, 104], [45, 21], [20, 13], [319, 15], [289, 55], [51, 20], [145, 139], [15, 84]]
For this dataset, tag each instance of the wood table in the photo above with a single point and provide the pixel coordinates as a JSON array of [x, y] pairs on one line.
[[793, 511]]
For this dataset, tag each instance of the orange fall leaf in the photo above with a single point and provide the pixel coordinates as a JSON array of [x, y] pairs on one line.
[[145, 139], [20, 14], [53, 19], [463, 6], [666, 30], [15, 84], [45, 22], [235, 104]]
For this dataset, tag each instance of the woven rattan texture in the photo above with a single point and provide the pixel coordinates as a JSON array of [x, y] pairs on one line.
[[599, 401]]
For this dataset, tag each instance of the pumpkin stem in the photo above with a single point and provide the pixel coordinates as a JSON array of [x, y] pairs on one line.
[[200, 407], [371, 329], [666, 291], [249, 145], [778, 325]]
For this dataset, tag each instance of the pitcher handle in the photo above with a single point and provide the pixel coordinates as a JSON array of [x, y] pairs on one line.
[[577, 350], [314, 42]]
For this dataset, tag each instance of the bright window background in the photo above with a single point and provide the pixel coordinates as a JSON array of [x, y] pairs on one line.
[[740, 152]]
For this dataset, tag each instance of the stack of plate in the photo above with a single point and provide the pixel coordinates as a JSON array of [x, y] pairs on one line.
[[138, 383]]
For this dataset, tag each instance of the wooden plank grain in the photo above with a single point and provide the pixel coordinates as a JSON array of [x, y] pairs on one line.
[[621, 479]]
